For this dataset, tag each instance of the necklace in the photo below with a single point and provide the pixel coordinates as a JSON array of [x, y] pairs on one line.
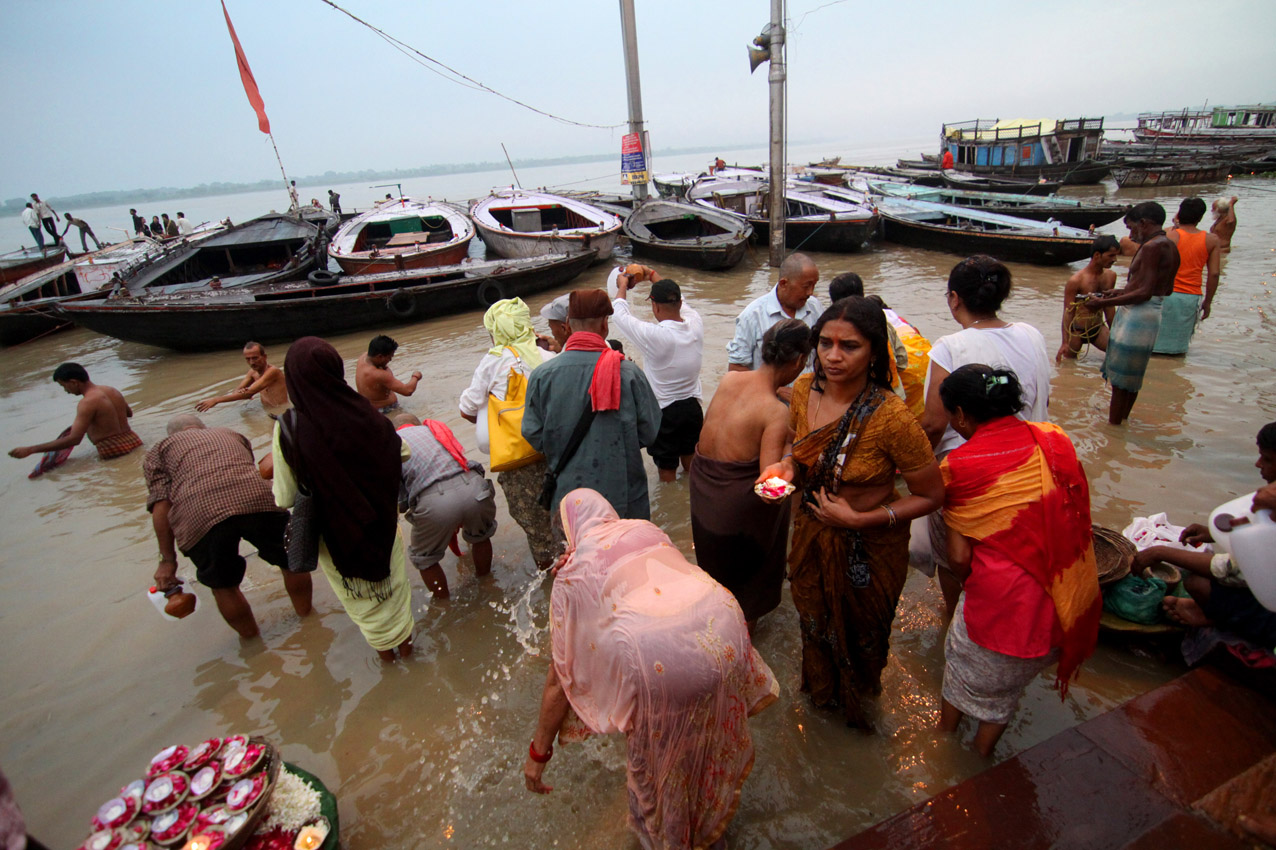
[[977, 321]]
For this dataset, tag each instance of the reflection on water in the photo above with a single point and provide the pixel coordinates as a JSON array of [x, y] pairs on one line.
[[429, 753]]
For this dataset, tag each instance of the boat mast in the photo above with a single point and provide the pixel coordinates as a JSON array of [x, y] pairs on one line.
[[629, 32]]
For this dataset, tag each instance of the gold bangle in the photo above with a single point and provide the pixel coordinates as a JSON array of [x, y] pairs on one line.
[[890, 515]]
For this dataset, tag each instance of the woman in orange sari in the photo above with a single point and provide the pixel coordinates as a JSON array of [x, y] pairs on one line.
[[1019, 540], [849, 556]]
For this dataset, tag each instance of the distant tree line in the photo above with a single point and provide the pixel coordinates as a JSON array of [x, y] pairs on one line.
[[89, 200]]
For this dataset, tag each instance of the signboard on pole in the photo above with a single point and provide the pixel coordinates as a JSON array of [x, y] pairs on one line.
[[633, 162]]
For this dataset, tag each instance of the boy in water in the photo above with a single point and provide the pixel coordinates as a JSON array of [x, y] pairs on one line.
[[1079, 326]]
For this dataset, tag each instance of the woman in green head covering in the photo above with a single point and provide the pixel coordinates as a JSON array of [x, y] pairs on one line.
[[510, 324], [513, 350]]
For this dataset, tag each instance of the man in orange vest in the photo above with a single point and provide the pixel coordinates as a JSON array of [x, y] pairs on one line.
[[1198, 251]]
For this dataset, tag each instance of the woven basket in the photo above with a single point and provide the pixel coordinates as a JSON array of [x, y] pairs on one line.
[[1113, 553]]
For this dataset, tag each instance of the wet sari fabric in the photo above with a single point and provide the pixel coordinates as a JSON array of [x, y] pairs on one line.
[[846, 629], [647, 644]]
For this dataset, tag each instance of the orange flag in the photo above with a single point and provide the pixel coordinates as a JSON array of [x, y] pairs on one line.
[[246, 74]]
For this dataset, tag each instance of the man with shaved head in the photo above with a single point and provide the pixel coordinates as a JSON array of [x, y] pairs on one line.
[[792, 298], [205, 495], [261, 378]]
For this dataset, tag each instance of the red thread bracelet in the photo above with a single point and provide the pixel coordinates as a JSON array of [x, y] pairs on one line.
[[538, 757]]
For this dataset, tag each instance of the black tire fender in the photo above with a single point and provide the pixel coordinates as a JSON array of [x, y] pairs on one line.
[[401, 304], [489, 292], [323, 277]]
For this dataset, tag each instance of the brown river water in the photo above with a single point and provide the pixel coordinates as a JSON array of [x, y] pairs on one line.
[[429, 753]]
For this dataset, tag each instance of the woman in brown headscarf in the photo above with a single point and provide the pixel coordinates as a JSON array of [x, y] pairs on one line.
[[349, 458]]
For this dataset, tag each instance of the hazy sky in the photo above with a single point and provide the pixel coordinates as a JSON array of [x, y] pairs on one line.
[[127, 94]]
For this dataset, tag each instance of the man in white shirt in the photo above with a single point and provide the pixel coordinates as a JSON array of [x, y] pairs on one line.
[[32, 221], [184, 227], [48, 217], [792, 298], [672, 349]]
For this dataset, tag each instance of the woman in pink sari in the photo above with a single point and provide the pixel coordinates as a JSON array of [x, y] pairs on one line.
[[647, 644]]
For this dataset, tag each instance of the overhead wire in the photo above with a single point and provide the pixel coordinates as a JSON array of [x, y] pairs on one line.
[[454, 76]]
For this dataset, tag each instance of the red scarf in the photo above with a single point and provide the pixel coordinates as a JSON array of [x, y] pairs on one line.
[[604, 388], [446, 438], [1017, 487]]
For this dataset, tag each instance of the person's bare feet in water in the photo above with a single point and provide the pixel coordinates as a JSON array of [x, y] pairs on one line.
[[1184, 611]]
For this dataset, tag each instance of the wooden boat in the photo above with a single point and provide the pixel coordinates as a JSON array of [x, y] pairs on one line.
[[26, 307], [16, 265], [1222, 125], [813, 220], [674, 184], [1073, 212], [402, 234], [206, 319], [517, 223], [1130, 175], [273, 247], [966, 231], [1064, 151], [687, 234], [997, 183]]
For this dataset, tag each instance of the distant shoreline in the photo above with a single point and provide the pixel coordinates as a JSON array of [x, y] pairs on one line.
[[120, 197]]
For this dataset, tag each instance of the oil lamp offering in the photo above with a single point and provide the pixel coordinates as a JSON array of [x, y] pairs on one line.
[[773, 488], [311, 836], [208, 839]]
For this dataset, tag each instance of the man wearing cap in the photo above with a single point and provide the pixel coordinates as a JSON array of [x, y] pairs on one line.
[[555, 312], [672, 349], [791, 298], [589, 375]]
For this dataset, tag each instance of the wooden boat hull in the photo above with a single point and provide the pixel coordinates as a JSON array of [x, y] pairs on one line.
[[992, 183], [1084, 173], [1016, 248], [18, 264], [284, 312], [822, 234], [25, 324], [687, 235], [446, 255], [1066, 211], [526, 245], [1133, 176]]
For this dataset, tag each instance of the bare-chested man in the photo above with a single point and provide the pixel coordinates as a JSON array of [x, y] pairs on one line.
[[1138, 321], [1224, 222], [102, 415], [261, 378], [374, 380], [740, 538], [1080, 327]]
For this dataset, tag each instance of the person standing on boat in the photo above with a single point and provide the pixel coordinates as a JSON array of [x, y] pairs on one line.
[[374, 380], [102, 415], [32, 220], [1134, 332], [204, 495], [1198, 251], [672, 351], [261, 378], [139, 224], [791, 298], [1089, 328], [48, 217], [592, 386], [947, 162], [334, 201], [86, 232]]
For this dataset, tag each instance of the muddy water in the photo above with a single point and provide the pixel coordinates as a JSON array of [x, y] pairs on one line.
[[428, 753]]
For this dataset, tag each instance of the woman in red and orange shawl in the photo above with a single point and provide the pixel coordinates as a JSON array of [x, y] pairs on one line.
[[1018, 511]]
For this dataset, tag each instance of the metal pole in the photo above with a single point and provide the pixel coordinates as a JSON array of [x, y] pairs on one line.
[[777, 77], [629, 31]]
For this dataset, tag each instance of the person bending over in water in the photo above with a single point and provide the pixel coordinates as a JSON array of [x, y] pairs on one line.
[[261, 378], [1218, 594], [1080, 327], [374, 380], [102, 415]]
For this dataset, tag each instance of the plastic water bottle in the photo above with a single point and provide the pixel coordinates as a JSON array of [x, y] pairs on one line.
[[159, 600]]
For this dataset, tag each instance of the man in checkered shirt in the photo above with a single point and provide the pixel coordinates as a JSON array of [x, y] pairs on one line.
[[205, 495]]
